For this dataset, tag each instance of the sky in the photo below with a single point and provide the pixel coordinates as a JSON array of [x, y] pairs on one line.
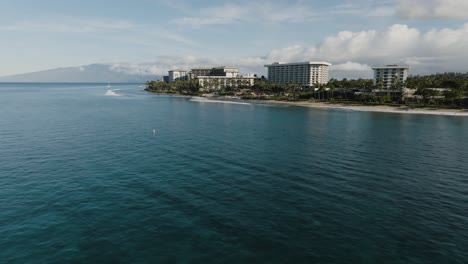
[[153, 36]]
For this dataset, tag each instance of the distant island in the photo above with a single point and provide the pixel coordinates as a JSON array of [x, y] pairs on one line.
[[93, 73]]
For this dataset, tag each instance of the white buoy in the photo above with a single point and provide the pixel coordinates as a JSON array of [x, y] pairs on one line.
[[154, 132]]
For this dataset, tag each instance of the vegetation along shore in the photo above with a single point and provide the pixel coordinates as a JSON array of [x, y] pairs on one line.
[[439, 93]]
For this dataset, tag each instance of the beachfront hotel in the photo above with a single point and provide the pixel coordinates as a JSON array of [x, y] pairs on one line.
[[223, 71], [213, 78], [307, 74], [389, 75], [177, 75], [218, 77], [217, 82]]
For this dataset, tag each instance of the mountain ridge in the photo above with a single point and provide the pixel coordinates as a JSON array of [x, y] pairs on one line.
[[92, 73]]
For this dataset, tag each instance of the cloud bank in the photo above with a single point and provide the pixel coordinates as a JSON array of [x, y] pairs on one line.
[[256, 12], [352, 53], [433, 9]]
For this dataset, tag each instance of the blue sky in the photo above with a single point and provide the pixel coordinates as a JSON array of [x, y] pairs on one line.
[[152, 36]]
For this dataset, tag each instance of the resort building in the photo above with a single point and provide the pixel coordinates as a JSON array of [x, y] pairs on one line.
[[307, 74], [217, 71], [387, 77], [218, 82], [216, 78], [229, 72], [177, 75], [194, 73]]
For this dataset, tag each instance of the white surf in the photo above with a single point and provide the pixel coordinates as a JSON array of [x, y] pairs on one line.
[[112, 93], [204, 100]]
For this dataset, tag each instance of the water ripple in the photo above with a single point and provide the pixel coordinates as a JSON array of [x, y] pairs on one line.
[[84, 180]]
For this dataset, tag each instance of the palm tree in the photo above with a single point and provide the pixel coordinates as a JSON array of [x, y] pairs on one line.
[[332, 90], [321, 92], [214, 84], [246, 83]]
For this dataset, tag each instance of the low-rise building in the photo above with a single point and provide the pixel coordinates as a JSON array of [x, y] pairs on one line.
[[216, 71], [195, 72], [214, 78], [218, 82], [230, 72]]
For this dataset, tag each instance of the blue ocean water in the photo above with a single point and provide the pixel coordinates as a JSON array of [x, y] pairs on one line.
[[83, 179]]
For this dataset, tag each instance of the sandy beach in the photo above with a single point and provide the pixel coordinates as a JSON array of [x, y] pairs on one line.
[[323, 105], [378, 108]]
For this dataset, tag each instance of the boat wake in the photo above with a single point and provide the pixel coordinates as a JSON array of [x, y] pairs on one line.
[[112, 93], [204, 100]]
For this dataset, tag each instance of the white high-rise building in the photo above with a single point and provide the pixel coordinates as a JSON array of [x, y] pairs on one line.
[[306, 74], [390, 75]]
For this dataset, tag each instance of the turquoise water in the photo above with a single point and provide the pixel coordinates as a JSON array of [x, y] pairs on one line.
[[84, 180]]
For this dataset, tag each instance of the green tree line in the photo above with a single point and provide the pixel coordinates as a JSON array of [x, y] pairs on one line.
[[179, 87], [345, 90]]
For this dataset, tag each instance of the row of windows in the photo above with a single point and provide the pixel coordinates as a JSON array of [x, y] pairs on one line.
[[300, 73]]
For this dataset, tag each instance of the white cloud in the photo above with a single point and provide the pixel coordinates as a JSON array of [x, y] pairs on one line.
[[361, 9], [162, 65], [397, 40], [226, 14], [350, 66], [267, 12], [382, 11], [115, 30], [433, 9], [292, 53], [136, 69], [298, 13], [436, 50], [70, 26], [351, 53]]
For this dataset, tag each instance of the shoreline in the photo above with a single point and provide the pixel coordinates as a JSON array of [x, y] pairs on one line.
[[326, 105], [377, 108]]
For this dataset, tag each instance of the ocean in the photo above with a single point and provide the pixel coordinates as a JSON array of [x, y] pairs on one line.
[[92, 174]]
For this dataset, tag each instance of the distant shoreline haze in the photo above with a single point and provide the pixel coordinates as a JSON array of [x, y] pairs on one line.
[[93, 73]]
